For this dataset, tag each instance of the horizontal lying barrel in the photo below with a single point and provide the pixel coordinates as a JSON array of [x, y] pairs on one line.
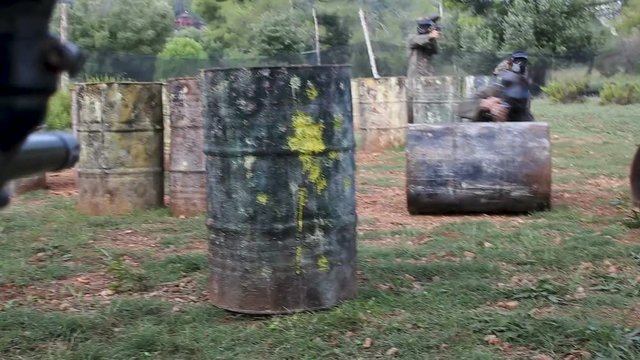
[[279, 148], [478, 168], [635, 179]]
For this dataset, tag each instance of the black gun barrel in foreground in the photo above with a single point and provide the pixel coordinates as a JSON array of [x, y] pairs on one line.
[[42, 152]]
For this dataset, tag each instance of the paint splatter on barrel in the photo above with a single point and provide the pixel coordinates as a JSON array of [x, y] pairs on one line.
[[187, 185], [635, 179], [281, 192], [478, 168], [120, 131]]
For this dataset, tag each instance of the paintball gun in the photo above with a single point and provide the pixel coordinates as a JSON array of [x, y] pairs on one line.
[[31, 61]]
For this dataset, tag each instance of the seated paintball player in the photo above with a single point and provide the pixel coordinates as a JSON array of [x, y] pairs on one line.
[[516, 63], [506, 99]]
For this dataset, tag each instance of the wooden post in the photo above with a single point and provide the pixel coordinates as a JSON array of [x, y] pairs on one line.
[[64, 30], [315, 22]]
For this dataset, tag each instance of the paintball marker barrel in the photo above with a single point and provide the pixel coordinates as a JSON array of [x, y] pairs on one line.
[[42, 152]]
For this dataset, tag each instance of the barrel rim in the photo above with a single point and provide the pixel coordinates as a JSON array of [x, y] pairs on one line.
[[301, 66], [120, 83], [182, 78]]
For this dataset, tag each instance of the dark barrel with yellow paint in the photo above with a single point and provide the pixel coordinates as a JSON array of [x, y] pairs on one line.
[[280, 169], [187, 180], [478, 168], [121, 136]]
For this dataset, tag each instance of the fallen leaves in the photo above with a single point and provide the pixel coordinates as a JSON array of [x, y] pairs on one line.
[[492, 340], [367, 343], [393, 352], [509, 305]]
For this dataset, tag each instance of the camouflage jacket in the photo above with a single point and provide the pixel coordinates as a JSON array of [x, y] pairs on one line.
[[470, 108], [421, 50], [504, 65]]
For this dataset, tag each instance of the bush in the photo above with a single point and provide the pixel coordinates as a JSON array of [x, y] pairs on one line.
[[59, 111], [621, 94], [566, 92], [180, 57]]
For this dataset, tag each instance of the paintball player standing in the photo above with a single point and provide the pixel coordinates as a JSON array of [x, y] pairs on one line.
[[422, 47], [506, 99]]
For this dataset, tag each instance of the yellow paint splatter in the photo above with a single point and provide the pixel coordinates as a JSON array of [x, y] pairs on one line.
[[347, 183], [338, 122], [323, 263], [262, 199], [302, 202], [308, 142], [312, 91], [333, 155], [298, 259]]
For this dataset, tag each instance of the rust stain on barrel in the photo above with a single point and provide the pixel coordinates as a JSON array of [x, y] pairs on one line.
[[121, 135], [187, 180]]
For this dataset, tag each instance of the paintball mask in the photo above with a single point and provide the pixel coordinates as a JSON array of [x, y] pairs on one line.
[[427, 25], [519, 61]]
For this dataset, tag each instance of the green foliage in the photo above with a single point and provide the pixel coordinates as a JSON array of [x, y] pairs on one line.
[[126, 278], [209, 10], [125, 26], [59, 111], [630, 16], [282, 35], [566, 92], [181, 56], [621, 94], [621, 55]]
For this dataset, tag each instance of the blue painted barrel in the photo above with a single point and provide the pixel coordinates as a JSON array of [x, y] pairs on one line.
[[478, 168], [280, 164]]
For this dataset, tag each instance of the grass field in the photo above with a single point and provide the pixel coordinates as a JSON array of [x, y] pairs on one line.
[[563, 284]]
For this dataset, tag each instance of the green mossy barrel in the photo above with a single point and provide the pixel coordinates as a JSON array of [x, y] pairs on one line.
[[121, 136], [280, 168], [478, 168], [187, 180]]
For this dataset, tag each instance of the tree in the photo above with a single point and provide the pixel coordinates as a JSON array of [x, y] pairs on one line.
[[125, 26], [282, 35], [181, 56], [630, 16]]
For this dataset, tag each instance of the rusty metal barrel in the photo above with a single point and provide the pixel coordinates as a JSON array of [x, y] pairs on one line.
[[382, 112], [187, 180], [435, 99], [279, 145], [635, 178], [120, 132], [478, 168]]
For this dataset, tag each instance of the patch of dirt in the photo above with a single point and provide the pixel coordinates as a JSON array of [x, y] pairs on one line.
[[388, 205], [631, 237], [63, 183], [91, 290], [131, 240]]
